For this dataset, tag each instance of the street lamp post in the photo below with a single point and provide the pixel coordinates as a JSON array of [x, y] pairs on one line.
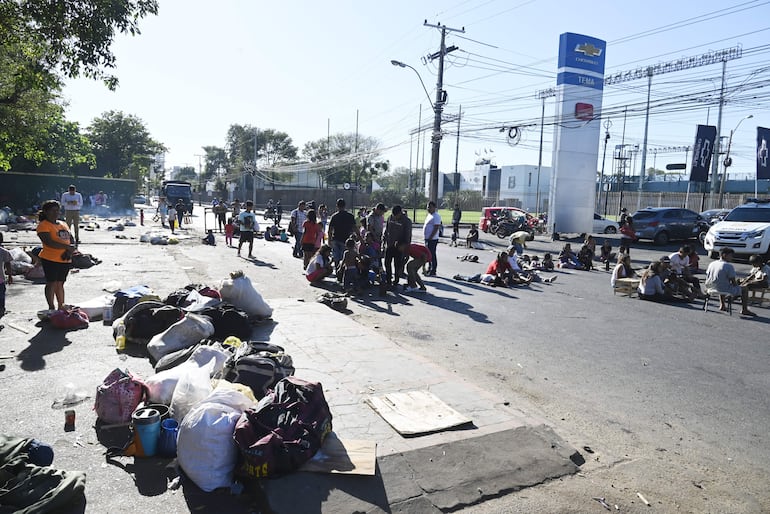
[[436, 137], [728, 161]]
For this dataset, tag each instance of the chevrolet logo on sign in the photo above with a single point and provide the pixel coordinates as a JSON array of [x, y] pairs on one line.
[[588, 50]]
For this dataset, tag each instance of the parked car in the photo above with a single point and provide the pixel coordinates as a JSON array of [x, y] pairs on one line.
[[714, 215], [604, 226], [663, 224], [746, 229], [141, 199]]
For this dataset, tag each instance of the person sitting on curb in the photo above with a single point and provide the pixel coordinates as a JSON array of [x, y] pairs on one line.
[[721, 280], [472, 238]]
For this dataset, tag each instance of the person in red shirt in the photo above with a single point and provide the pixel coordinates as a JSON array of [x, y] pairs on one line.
[[496, 270], [312, 237], [419, 256]]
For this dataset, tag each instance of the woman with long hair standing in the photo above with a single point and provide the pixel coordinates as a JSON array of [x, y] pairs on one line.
[[56, 256]]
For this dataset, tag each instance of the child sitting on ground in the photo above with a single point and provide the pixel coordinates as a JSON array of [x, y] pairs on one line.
[[605, 254], [473, 237], [320, 265], [209, 239], [547, 263]]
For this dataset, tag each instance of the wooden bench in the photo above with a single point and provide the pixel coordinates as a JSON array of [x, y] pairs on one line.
[[627, 286]]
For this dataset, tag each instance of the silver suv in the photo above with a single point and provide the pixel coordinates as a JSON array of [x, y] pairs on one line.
[[746, 230]]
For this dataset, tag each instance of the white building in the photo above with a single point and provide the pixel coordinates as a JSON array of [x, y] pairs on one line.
[[513, 185]]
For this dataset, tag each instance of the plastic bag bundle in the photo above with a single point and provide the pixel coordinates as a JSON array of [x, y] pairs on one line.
[[182, 334], [240, 292]]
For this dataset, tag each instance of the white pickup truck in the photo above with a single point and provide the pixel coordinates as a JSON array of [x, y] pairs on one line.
[[746, 230]]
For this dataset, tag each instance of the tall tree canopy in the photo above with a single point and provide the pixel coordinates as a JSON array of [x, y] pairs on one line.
[[71, 36], [122, 145], [345, 158], [42, 41]]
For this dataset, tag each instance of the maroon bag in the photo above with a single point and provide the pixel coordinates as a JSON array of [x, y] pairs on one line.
[[284, 430], [69, 318]]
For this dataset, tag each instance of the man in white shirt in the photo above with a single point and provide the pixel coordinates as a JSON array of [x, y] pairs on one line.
[[72, 201], [680, 264], [298, 217], [430, 230]]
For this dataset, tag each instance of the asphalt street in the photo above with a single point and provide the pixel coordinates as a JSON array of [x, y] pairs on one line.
[[663, 400]]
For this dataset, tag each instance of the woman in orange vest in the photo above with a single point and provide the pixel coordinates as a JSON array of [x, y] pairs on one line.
[[56, 256]]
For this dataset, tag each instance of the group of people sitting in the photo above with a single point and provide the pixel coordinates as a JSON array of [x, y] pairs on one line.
[[672, 278]]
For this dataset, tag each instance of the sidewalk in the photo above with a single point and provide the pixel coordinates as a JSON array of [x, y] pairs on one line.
[[502, 451]]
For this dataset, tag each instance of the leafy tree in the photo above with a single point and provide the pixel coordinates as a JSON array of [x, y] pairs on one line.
[[41, 41], [345, 158], [68, 36], [122, 145], [216, 159], [186, 173], [61, 148]]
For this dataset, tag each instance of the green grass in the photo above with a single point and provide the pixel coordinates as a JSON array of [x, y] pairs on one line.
[[446, 216]]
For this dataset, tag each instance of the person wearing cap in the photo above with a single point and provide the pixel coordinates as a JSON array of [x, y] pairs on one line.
[[430, 230], [298, 218], [722, 280], [72, 201], [398, 231], [342, 225]]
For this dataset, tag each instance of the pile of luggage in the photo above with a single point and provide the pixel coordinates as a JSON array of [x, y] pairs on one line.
[[218, 385]]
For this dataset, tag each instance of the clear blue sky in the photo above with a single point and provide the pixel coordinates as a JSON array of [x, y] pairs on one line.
[[200, 66]]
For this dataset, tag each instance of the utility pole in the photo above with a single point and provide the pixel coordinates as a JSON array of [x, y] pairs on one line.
[[200, 178], [254, 176], [607, 126], [457, 152], [438, 105], [644, 142], [718, 142], [546, 93]]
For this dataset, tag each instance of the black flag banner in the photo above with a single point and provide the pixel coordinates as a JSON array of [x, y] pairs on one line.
[[705, 138], [763, 149]]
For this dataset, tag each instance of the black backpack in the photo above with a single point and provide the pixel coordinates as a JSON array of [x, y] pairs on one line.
[[142, 325], [258, 365], [228, 321]]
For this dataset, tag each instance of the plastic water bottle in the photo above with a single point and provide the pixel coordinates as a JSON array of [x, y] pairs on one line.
[[120, 336]]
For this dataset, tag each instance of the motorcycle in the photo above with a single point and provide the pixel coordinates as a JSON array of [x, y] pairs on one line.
[[504, 227]]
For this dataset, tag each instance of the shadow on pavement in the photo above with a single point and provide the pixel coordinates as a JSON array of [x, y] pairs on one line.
[[49, 340]]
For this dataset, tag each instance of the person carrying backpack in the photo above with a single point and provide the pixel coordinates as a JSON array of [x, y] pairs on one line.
[[247, 221]]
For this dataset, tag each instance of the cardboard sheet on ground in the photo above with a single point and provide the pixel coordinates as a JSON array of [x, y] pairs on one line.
[[344, 456], [416, 412]]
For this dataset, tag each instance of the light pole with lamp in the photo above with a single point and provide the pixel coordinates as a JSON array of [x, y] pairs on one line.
[[728, 161], [436, 137]]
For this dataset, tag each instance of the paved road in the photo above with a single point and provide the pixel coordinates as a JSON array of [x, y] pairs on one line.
[[670, 401]]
